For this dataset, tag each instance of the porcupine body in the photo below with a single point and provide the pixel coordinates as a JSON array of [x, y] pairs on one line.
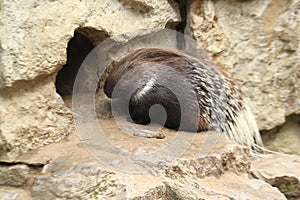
[[196, 95]]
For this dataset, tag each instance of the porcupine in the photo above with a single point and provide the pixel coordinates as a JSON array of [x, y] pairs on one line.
[[222, 105]]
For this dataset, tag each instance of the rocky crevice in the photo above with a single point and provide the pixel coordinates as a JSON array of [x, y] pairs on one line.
[[180, 27], [284, 138], [19, 174], [84, 40]]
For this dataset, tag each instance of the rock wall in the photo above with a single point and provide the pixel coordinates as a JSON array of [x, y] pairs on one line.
[[34, 38], [258, 43], [32, 114]]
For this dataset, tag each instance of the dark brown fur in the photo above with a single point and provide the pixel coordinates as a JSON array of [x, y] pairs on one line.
[[216, 93]]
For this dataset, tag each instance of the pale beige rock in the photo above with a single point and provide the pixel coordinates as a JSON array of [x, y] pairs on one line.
[[32, 114], [285, 138], [258, 42], [281, 171], [10, 193], [15, 175], [71, 173], [227, 186], [35, 43], [33, 48], [221, 174]]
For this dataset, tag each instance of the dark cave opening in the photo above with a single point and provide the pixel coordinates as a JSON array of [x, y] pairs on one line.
[[79, 46]]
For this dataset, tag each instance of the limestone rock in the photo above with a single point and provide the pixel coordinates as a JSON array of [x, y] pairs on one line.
[[72, 173], [258, 43], [31, 115], [92, 181], [81, 181], [281, 171], [252, 39], [144, 6], [33, 49], [35, 44], [227, 186], [10, 193], [15, 175], [234, 159], [284, 138], [103, 108], [219, 175]]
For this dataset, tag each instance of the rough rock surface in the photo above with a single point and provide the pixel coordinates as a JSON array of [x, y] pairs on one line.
[[70, 172], [15, 175], [10, 193], [33, 49], [31, 115], [258, 42], [228, 186], [35, 43], [281, 171], [285, 138]]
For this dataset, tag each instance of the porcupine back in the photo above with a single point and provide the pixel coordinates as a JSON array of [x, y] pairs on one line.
[[222, 105]]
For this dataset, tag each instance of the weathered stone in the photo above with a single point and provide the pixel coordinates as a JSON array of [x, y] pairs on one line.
[[281, 171], [15, 175], [143, 6], [81, 181], [216, 163], [33, 49], [284, 138], [227, 186], [35, 44], [258, 43], [10, 193], [103, 108], [32, 114], [220, 172]]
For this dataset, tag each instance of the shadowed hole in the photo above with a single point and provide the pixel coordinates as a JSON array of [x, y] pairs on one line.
[[79, 46]]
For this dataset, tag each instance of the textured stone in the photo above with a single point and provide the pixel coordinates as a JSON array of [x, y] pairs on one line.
[[33, 49], [220, 173], [258, 43], [92, 181], [81, 181], [103, 108], [31, 115], [227, 186], [234, 159], [35, 44], [15, 175], [10, 193], [284, 138], [281, 171], [74, 174]]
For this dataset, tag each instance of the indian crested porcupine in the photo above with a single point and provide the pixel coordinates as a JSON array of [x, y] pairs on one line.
[[219, 104]]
